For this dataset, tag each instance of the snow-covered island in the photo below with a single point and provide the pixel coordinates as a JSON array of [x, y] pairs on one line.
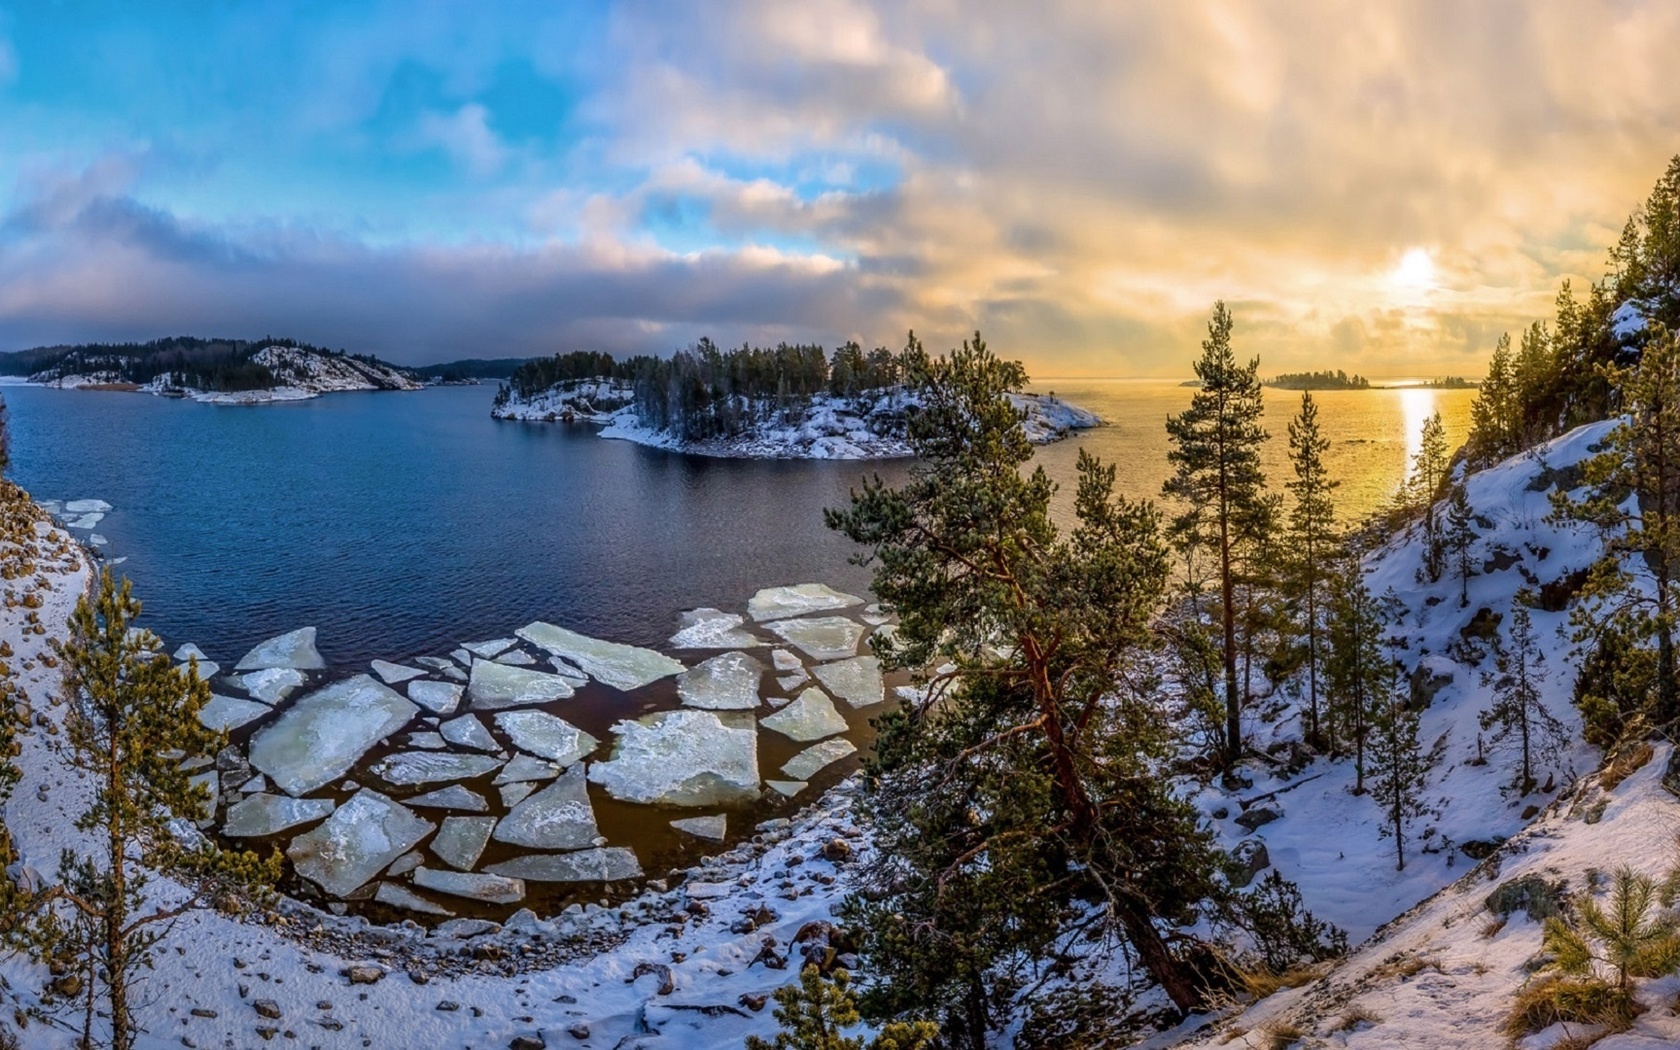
[[824, 426]]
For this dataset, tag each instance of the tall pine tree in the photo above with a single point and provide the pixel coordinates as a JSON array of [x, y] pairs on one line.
[[1518, 716], [1429, 470], [1312, 541], [1399, 768], [1354, 669], [1461, 535], [1218, 481]]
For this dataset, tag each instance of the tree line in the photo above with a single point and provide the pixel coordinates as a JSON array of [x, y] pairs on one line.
[[204, 364]]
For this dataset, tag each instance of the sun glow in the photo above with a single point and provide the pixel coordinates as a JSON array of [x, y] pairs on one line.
[[1415, 274]]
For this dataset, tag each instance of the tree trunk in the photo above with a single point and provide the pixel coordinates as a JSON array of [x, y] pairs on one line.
[[1233, 699], [1312, 651], [1172, 975]]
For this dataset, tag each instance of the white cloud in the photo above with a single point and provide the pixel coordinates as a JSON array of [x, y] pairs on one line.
[[466, 135]]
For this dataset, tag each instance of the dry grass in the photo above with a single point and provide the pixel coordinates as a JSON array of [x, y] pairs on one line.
[[1572, 1000], [1405, 968], [1623, 764], [1280, 1034], [1261, 982], [1353, 1017], [1491, 928]]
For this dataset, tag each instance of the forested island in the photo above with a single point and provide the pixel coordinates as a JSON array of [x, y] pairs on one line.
[[1322, 380]]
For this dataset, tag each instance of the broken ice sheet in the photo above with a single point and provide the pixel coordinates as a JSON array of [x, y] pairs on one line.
[[681, 758], [713, 629], [713, 827], [460, 840], [357, 842], [557, 817], [295, 649], [270, 685], [808, 762], [609, 864], [623, 667], [822, 637], [402, 897], [525, 767], [492, 889], [467, 731], [724, 683], [494, 686], [452, 797], [258, 816], [775, 602], [318, 739], [391, 673], [856, 681], [437, 697], [545, 736], [810, 717], [429, 767], [226, 712]]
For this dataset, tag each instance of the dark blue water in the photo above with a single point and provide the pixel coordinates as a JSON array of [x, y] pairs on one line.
[[401, 524]]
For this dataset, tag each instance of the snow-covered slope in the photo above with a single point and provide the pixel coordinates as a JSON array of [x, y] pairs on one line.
[[827, 428], [299, 374]]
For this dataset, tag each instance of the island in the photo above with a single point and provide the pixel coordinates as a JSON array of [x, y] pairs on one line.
[[789, 402], [1322, 380]]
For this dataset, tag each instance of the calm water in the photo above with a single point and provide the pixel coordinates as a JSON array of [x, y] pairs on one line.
[[401, 524]]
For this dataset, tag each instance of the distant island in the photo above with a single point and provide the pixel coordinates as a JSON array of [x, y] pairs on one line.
[[217, 371], [1324, 380], [1451, 383], [786, 402]]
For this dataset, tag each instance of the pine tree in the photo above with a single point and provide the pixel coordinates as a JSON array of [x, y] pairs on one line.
[[1492, 430], [1218, 481], [1354, 668], [1399, 769], [1034, 770], [132, 717], [1641, 455], [1517, 713], [1633, 939], [814, 1012], [1312, 541], [1429, 469], [1461, 536]]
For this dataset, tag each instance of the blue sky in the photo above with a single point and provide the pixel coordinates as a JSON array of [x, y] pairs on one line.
[[437, 180]]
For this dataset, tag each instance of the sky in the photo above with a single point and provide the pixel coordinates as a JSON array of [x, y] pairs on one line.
[[1379, 187]]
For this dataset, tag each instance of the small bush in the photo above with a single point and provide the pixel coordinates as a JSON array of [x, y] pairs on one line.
[[1569, 1000], [1534, 896], [1353, 1017], [1279, 1034]]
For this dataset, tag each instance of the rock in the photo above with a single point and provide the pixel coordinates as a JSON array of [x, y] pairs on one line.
[[1483, 625], [1250, 858], [491, 888], [682, 758], [712, 629], [624, 667], [545, 736], [821, 638], [837, 851], [319, 738], [465, 929], [267, 1008], [440, 698], [452, 797], [1481, 849], [1259, 816], [856, 681], [610, 864], [295, 649], [811, 716], [261, 815], [724, 683], [363, 974], [578, 1031], [1432, 674], [461, 840], [495, 686], [667, 984], [357, 842], [557, 817], [527, 1042], [773, 603], [808, 762], [712, 827]]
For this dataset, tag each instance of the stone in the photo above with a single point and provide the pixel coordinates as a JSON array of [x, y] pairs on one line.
[[428, 767], [810, 717], [364, 974], [856, 681], [1250, 858], [359, 840], [774, 603], [821, 638], [712, 629], [623, 667], [805, 765], [557, 817], [391, 674], [1259, 816], [711, 827], [319, 738], [724, 683], [489, 888], [440, 698], [682, 758], [468, 731], [295, 649], [545, 736], [609, 864], [461, 840], [494, 686], [452, 797], [262, 815], [267, 1008]]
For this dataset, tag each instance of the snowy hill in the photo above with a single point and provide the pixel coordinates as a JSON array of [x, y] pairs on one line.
[[224, 373], [298, 374], [827, 427]]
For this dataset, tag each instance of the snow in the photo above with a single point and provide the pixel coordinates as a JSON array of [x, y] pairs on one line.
[[262, 815], [452, 797], [608, 864], [226, 712], [467, 731], [681, 758], [713, 827], [440, 698], [356, 842], [822, 637], [494, 686], [428, 767], [557, 817], [1628, 320], [545, 736], [300, 374], [856, 681], [271, 685], [728, 682], [391, 674], [776, 603], [295, 649], [461, 840], [319, 738], [621, 666], [810, 717], [818, 757], [713, 629], [492, 889]]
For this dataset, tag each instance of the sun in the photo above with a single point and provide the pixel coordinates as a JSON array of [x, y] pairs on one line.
[[1416, 272]]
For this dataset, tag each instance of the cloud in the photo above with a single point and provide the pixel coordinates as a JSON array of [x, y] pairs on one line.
[[466, 135]]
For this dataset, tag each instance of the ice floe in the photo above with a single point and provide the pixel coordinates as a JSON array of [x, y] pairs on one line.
[[774, 603], [856, 681], [822, 637], [608, 864], [88, 506], [270, 685], [261, 815], [429, 741], [226, 712], [789, 682], [545, 736], [786, 788], [713, 629], [429, 767], [557, 817], [523, 768], [356, 842], [84, 521], [452, 797], [391, 673], [440, 698], [516, 658], [468, 731], [810, 761], [190, 652], [491, 889], [319, 738], [207, 669], [461, 840], [489, 650], [495, 686], [713, 827], [620, 666], [516, 792], [681, 758], [295, 649], [785, 661], [396, 896], [810, 717], [724, 683]]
